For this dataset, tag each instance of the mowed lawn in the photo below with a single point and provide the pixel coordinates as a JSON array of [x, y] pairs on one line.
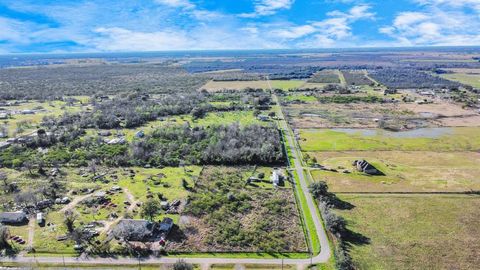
[[416, 171], [436, 139], [415, 232]]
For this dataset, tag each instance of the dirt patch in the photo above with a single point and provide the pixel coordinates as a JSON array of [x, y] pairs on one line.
[[445, 114]]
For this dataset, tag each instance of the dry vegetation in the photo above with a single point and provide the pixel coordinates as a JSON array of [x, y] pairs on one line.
[[227, 214]]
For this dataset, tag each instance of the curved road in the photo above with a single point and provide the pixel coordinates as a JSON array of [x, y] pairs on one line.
[[322, 257]]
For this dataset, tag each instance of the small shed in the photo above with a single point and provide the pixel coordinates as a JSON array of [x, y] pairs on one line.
[[40, 219], [276, 177]]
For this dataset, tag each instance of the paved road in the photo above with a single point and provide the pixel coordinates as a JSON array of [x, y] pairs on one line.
[[322, 257], [325, 253]]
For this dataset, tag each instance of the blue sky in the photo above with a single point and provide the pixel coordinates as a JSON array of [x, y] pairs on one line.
[[157, 25]]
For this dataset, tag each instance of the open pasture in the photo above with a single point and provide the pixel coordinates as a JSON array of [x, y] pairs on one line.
[[425, 139], [325, 76], [215, 86], [472, 79], [414, 232], [404, 171], [352, 115]]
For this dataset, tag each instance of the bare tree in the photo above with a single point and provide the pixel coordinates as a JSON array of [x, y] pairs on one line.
[[29, 166], [4, 235], [26, 198], [69, 220], [7, 187], [92, 167]]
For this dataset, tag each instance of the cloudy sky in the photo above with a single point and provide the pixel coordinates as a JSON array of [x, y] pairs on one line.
[[157, 25]]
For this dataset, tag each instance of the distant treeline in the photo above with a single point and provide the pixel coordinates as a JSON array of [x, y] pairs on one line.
[[410, 78], [49, 83]]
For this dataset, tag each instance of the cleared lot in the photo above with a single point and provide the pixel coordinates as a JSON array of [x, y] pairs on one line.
[[414, 232]]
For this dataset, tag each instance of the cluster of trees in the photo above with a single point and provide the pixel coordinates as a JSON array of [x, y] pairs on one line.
[[168, 146], [336, 224], [231, 145], [133, 110], [410, 78]]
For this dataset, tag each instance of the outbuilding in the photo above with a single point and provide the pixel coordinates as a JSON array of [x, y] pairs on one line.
[[13, 218]]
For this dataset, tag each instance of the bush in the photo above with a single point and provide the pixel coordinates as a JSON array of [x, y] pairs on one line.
[[182, 265]]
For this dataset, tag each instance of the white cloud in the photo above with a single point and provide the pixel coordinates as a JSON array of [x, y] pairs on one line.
[[268, 7], [294, 32], [12, 30], [176, 3], [120, 39], [473, 4], [336, 29], [440, 22]]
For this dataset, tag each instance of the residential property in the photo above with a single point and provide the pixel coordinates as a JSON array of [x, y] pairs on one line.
[[365, 167]]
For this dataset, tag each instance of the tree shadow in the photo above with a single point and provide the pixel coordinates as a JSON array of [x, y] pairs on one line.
[[10, 251], [354, 238], [338, 203], [177, 235]]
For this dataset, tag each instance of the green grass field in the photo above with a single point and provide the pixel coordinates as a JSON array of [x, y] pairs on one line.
[[414, 232], [214, 86], [404, 171], [240, 85], [450, 139], [299, 97], [468, 79], [286, 85]]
